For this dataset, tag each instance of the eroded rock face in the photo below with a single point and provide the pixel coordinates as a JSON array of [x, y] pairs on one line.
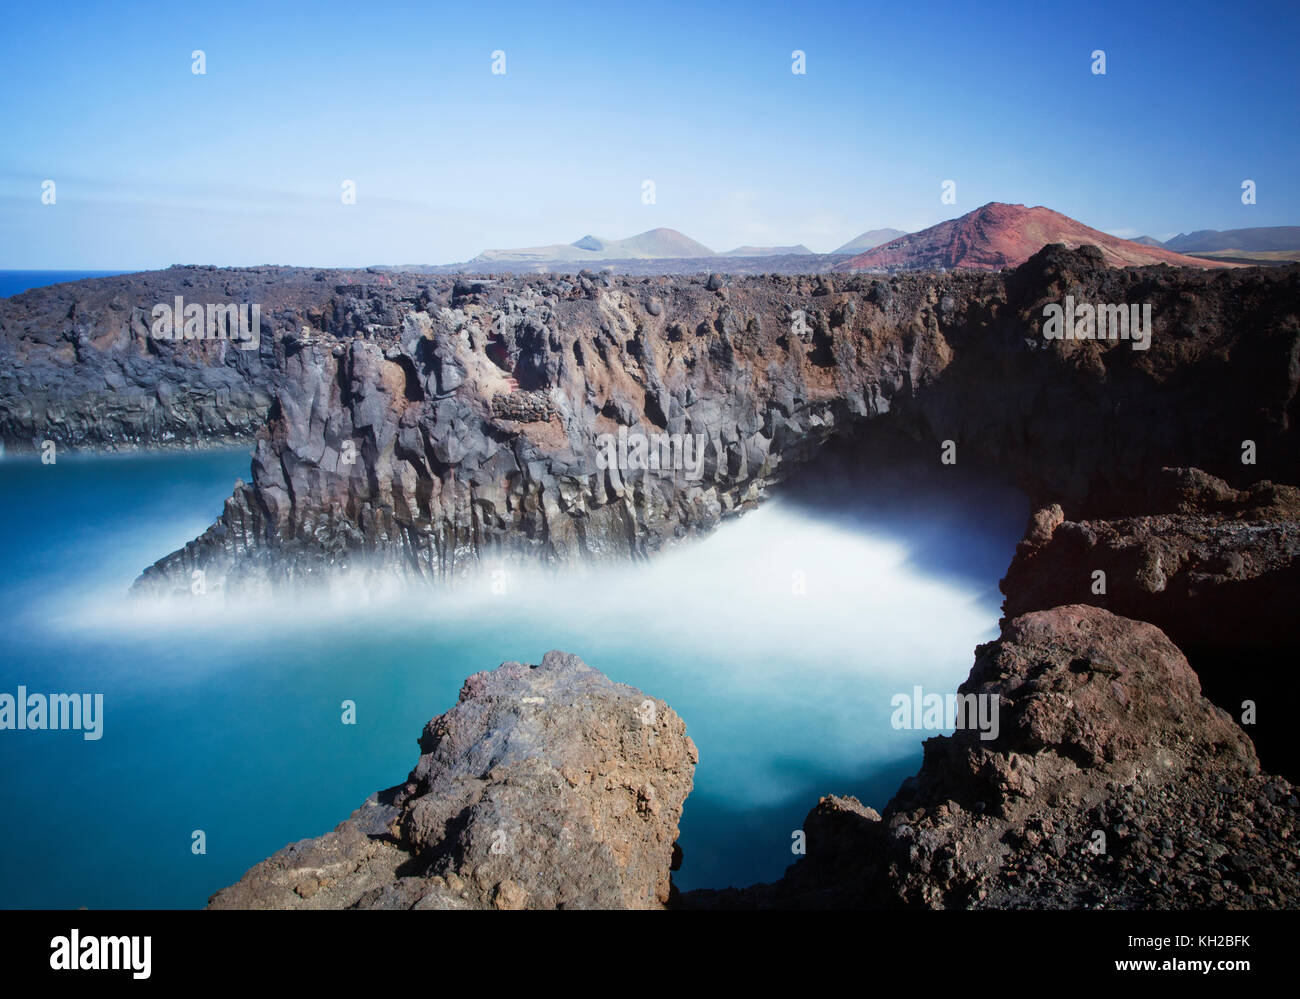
[[1216, 568], [546, 786], [1194, 557], [78, 365], [464, 428], [1112, 783]]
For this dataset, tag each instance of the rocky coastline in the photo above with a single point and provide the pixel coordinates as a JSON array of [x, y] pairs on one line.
[[1113, 783], [429, 426]]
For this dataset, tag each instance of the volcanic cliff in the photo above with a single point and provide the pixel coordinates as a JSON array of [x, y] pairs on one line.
[[427, 427], [445, 427]]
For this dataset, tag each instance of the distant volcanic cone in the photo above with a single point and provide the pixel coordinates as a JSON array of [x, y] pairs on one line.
[[998, 235]]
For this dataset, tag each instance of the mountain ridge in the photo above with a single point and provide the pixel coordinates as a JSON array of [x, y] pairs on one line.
[[994, 236], [771, 251], [869, 240], [1259, 239], [660, 243]]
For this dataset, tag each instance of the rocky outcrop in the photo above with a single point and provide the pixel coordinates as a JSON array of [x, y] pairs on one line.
[[1216, 568], [78, 367], [79, 364], [1193, 556], [390, 450], [1112, 783], [546, 786]]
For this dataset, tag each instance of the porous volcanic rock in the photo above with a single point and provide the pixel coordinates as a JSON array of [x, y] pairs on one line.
[[546, 786], [1112, 783], [423, 425], [1216, 568], [1195, 556]]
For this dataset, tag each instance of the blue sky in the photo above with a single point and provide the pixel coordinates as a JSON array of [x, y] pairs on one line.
[[154, 165]]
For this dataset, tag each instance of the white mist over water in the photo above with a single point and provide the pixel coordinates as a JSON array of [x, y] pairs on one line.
[[777, 587], [779, 610], [780, 639]]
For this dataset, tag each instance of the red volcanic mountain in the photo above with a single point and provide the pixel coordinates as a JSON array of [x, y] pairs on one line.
[[998, 236]]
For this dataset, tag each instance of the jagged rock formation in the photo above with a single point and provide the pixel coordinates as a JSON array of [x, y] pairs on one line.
[[1216, 568], [1112, 784], [391, 449], [78, 365], [1197, 554], [545, 787]]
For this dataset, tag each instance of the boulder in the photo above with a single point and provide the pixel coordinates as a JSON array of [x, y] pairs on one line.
[[547, 786]]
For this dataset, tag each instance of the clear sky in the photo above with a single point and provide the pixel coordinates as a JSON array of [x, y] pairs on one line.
[[154, 165]]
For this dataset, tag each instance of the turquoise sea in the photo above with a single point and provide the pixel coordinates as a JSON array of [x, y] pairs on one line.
[[780, 640]]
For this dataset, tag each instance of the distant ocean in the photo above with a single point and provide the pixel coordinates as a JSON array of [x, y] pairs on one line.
[[13, 282]]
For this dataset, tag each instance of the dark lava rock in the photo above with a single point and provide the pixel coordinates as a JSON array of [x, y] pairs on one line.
[[445, 477], [1064, 808]]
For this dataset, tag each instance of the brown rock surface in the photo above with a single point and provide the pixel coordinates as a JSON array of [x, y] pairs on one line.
[[445, 476], [1105, 728], [1112, 784], [1216, 568], [546, 786]]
